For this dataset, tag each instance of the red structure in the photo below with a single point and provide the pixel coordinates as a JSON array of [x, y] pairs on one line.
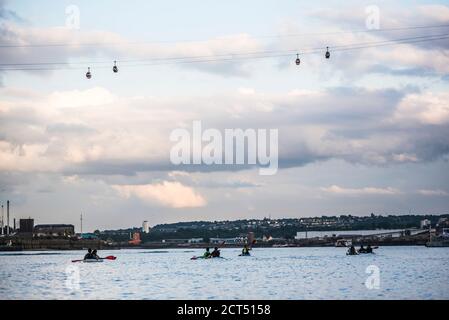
[[136, 239]]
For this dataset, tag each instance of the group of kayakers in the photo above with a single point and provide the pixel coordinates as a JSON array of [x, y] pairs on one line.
[[213, 254], [216, 252], [92, 254], [352, 251]]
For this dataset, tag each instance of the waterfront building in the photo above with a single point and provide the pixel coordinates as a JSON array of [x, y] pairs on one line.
[[136, 239], [26, 225], [350, 234], [55, 230], [425, 223], [192, 240], [227, 240], [87, 236], [196, 240], [145, 227], [443, 222]]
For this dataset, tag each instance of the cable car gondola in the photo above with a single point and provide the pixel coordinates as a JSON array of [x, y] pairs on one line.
[[297, 59], [328, 54], [88, 74], [115, 68]]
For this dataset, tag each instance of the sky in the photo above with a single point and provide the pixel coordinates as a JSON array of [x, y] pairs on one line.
[[363, 132]]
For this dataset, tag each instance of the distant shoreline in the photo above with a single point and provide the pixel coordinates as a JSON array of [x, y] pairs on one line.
[[196, 247]]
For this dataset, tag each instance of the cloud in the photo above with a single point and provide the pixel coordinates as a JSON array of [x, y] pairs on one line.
[[361, 191], [170, 194], [409, 59], [98, 43], [425, 108], [437, 192], [96, 132], [418, 59]]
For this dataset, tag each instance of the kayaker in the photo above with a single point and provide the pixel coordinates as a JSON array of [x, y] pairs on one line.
[[215, 253], [245, 250], [369, 249], [95, 255], [362, 249], [206, 254], [88, 254], [352, 251]]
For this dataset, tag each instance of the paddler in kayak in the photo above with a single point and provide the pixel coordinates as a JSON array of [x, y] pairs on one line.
[[206, 254], [88, 254], [95, 255], [245, 250], [352, 251], [215, 253]]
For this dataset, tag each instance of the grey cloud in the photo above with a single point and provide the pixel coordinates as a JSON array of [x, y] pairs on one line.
[[353, 124], [69, 128]]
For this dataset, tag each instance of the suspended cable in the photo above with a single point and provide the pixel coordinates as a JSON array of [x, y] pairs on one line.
[[232, 56], [223, 38], [238, 54]]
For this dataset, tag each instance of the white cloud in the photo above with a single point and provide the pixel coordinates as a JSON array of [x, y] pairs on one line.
[[426, 108], [110, 44], [80, 98], [404, 157], [166, 193], [361, 191], [437, 192]]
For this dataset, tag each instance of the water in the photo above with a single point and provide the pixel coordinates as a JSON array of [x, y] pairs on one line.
[[271, 273]]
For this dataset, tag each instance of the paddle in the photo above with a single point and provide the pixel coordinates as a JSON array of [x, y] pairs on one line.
[[251, 245], [105, 258], [109, 258]]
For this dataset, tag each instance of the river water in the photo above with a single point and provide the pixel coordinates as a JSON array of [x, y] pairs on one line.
[[270, 273]]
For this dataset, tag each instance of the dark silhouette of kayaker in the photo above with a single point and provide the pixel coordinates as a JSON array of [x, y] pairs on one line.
[[88, 254], [352, 251], [215, 253], [362, 249], [245, 250], [369, 249], [95, 255]]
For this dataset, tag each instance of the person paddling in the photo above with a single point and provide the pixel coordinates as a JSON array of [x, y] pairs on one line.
[[95, 255], [245, 250], [207, 254], [352, 251], [362, 249], [215, 253], [88, 254]]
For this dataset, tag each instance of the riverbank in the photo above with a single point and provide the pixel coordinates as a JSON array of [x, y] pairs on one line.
[[18, 244]]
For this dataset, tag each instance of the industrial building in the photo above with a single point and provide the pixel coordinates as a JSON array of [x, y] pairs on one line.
[[26, 225], [54, 230]]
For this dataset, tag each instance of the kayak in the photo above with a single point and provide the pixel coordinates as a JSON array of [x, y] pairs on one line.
[[96, 260], [201, 257], [92, 260], [244, 255]]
